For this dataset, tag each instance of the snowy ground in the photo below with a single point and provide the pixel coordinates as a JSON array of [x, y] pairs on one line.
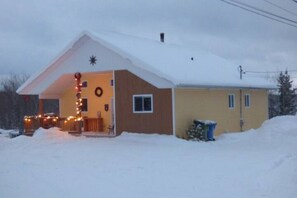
[[258, 163]]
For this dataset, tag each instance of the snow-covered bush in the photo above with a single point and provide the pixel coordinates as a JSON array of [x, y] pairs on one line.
[[198, 131]]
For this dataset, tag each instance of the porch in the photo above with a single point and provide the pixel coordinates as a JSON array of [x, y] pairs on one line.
[[90, 127]]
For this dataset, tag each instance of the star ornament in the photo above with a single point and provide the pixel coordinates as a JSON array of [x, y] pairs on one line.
[[93, 60]]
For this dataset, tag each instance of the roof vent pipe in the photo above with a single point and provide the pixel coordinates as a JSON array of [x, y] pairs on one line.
[[162, 37]]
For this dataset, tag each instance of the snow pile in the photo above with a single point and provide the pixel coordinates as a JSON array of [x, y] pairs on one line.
[[280, 126], [52, 133], [257, 163], [8, 133], [4, 133]]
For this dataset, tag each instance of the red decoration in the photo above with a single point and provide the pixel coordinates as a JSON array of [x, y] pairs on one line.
[[77, 77]]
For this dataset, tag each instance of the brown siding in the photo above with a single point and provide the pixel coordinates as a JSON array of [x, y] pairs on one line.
[[160, 121]]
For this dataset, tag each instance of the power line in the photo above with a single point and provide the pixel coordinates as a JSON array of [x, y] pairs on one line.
[[258, 13], [265, 77], [264, 11], [266, 72], [286, 10], [261, 75]]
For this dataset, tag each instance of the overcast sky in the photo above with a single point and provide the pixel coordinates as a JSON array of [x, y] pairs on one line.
[[33, 32]]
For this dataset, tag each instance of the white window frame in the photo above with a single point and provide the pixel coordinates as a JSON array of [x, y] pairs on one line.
[[143, 96], [249, 100], [230, 103]]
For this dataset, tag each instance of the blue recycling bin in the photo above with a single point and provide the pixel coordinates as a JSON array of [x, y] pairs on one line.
[[210, 131], [210, 127]]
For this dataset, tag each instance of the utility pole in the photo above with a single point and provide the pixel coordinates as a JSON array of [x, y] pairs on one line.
[[240, 71], [241, 122]]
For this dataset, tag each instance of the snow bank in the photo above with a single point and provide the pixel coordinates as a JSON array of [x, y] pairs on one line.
[[257, 163], [281, 125], [8, 133], [4, 133], [51, 133]]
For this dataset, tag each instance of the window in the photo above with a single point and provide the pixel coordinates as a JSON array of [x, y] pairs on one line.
[[247, 100], [142, 103], [84, 84], [231, 98], [84, 104]]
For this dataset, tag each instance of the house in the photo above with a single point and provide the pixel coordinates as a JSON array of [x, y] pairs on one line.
[[140, 85]]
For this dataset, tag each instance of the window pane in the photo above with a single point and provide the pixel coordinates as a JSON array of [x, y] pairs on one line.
[[231, 101], [84, 84], [138, 103], [84, 104], [147, 103], [247, 100]]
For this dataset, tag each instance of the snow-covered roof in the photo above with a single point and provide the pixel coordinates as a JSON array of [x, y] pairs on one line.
[[161, 64]]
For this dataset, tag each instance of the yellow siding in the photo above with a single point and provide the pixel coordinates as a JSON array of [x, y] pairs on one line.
[[95, 104], [258, 111], [212, 104]]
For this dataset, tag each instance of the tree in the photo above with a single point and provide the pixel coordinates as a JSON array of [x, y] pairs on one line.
[[13, 107], [287, 95], [273, 101]]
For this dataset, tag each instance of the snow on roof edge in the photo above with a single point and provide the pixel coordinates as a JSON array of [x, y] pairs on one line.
[[231, 86], [56, 58]]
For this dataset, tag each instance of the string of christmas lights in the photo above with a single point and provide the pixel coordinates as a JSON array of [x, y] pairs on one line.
[[79, 104]]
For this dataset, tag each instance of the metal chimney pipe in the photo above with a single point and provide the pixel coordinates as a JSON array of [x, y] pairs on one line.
[[162, 37]]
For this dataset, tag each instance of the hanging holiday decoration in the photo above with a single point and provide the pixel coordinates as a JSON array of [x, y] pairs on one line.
[[98, 91], [106, 107], [77, 77], [93, 60]]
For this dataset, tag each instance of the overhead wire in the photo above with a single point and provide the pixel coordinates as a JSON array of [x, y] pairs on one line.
[[259, 13], [264, 11], [284, 9], [267, 76], [265, 72], [268, 15], [255, 76]]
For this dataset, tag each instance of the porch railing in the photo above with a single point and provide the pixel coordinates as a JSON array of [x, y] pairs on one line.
[[32, 123]]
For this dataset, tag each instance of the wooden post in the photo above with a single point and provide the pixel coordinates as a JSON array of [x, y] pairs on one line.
[[77, 77]]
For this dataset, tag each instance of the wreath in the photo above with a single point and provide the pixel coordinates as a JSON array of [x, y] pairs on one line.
[[77, 75], [98, 91]]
